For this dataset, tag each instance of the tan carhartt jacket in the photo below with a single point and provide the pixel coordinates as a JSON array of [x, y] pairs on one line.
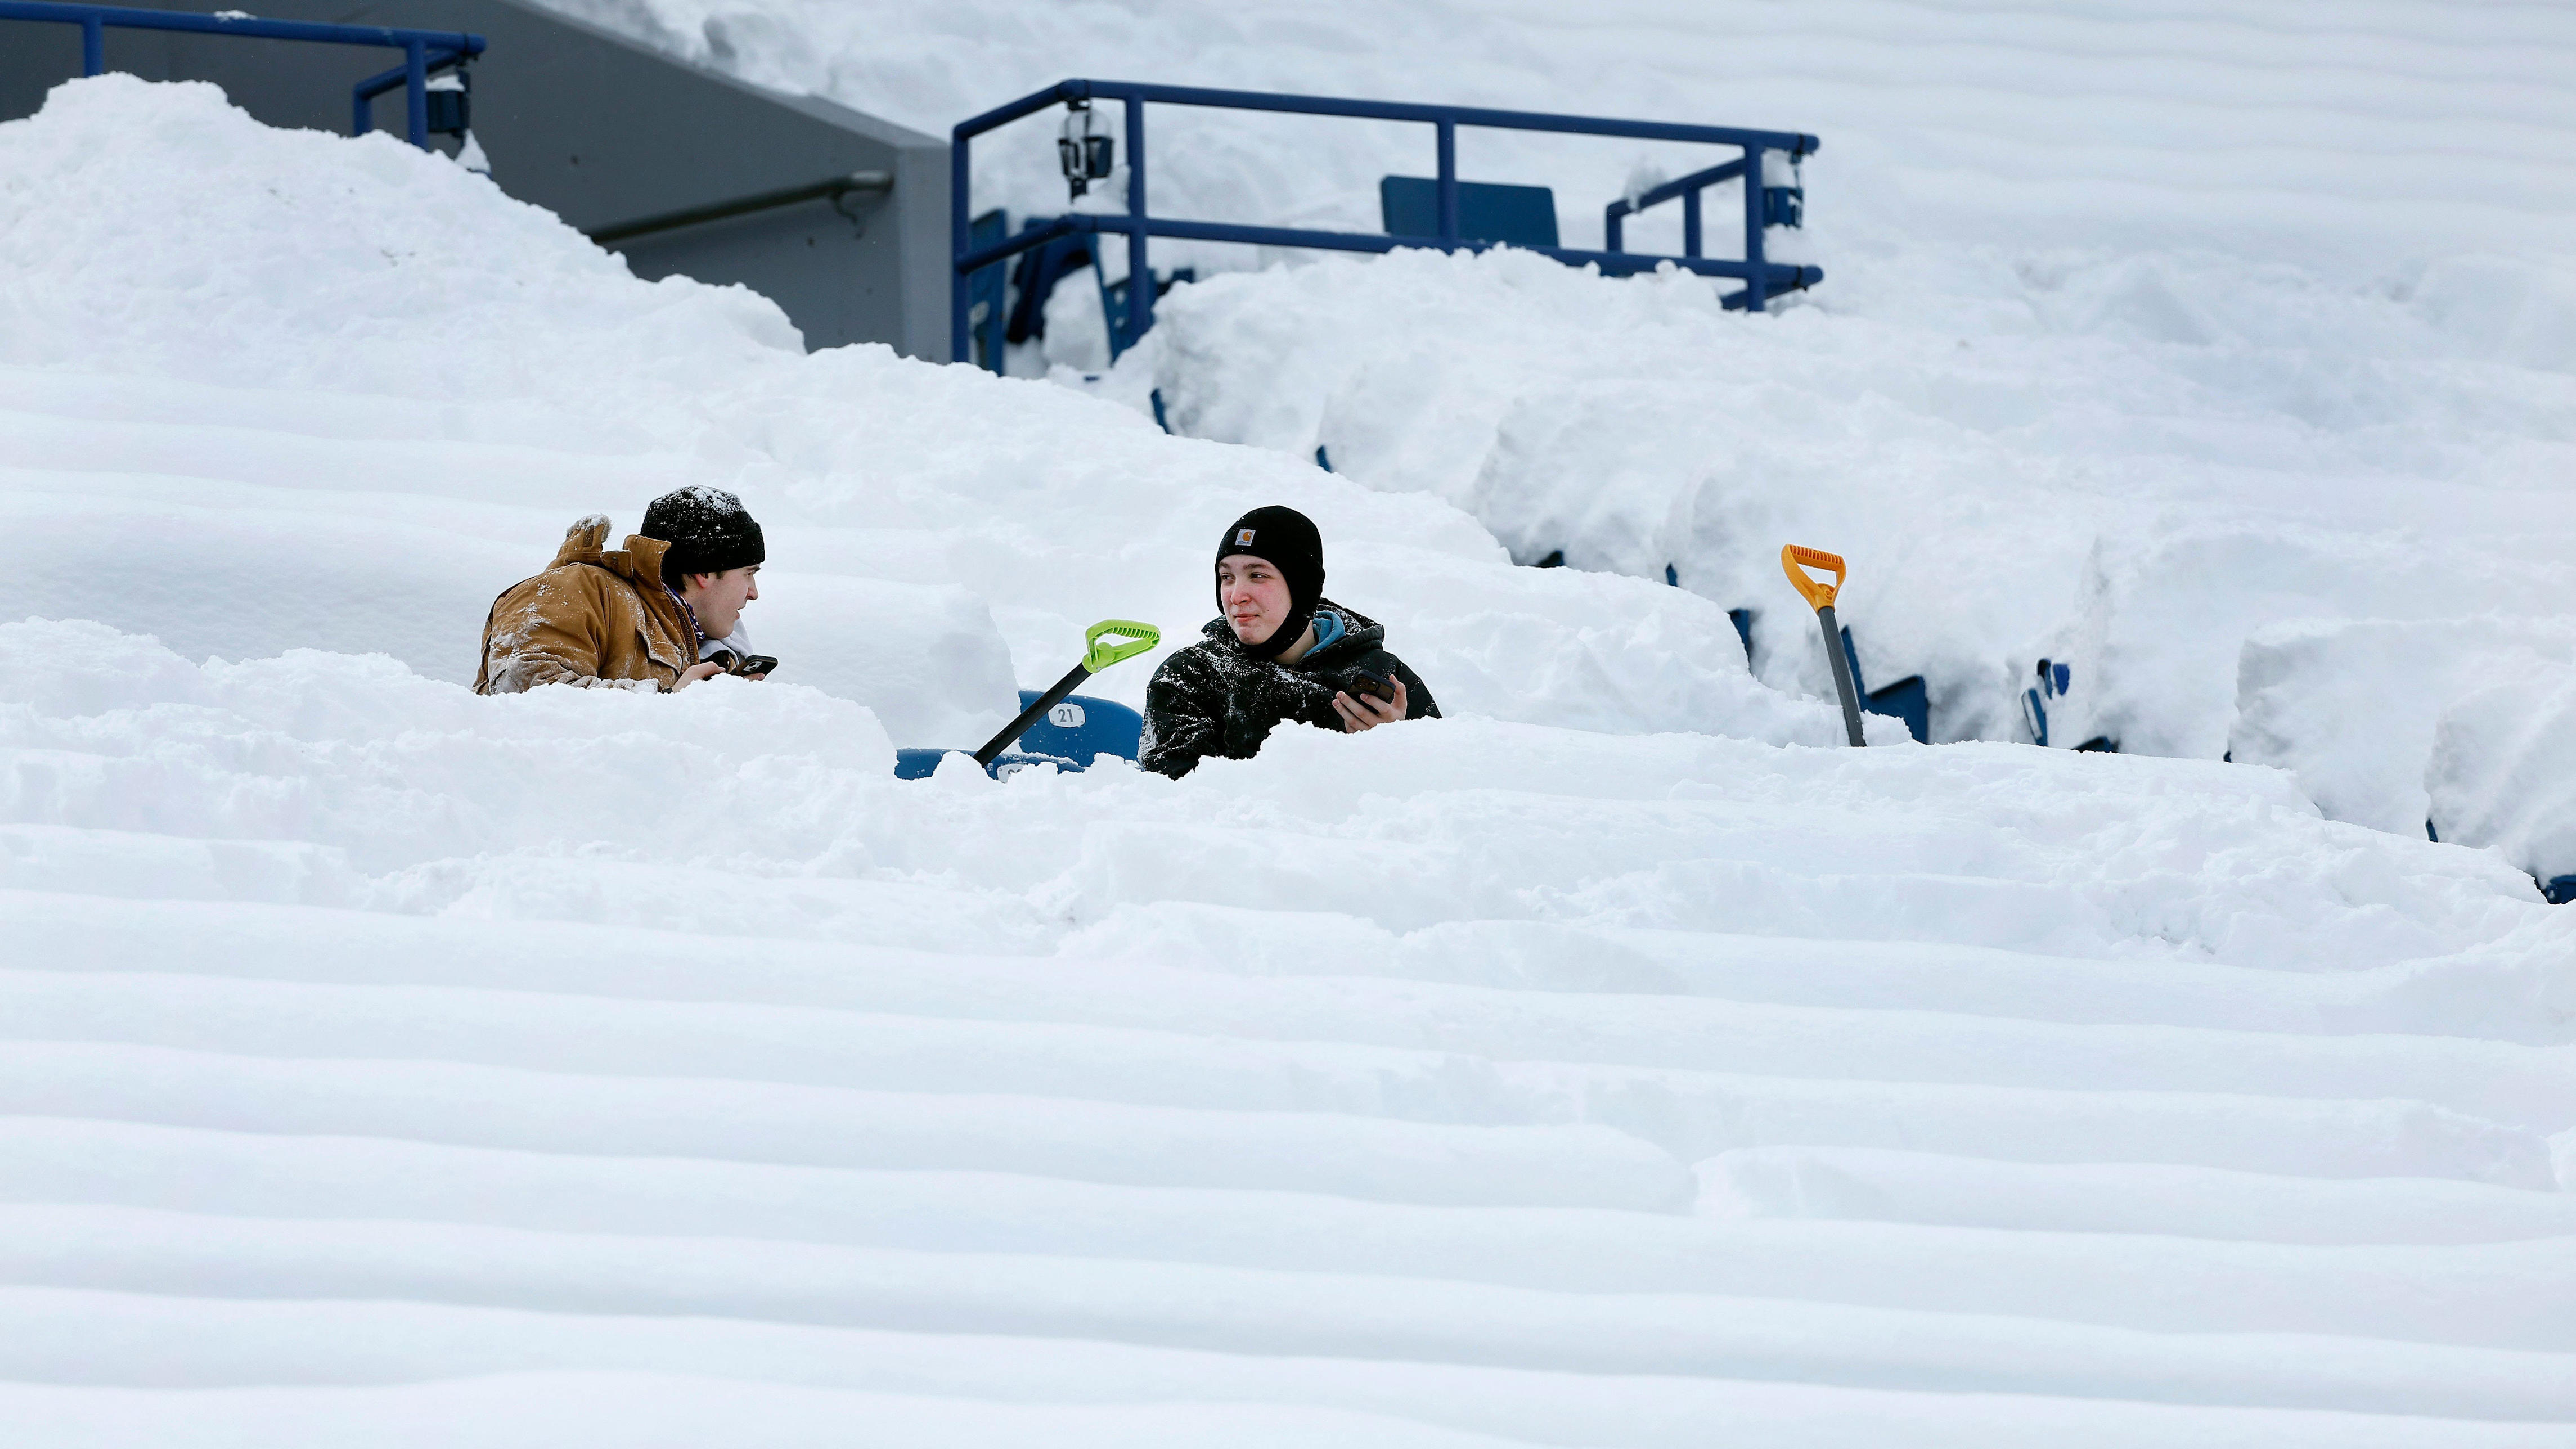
[[594, 619]]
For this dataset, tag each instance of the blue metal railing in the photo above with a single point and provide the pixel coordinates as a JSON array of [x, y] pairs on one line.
[[1776, 205], [423, 51], [1762, 278]]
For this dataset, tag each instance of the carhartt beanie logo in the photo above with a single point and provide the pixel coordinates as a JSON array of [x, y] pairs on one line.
[[1288, 542], [708, 529]]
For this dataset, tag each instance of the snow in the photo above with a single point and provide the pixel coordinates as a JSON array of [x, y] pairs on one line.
[[2019, 488], [1617, 1058], [2503, 770], [2352, 707], [2463, 725], [2146, 329], [2131, 460], [331, 298], [469, 1058]]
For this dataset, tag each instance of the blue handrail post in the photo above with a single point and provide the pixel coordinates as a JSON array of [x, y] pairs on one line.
[[1690, 224], [1140, 274], [961, 234], [416, 92], [1448, 184], [1757, 272], [93, 46], [1611, 228]]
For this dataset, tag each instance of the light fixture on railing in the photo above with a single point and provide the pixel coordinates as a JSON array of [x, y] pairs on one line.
[[450, 105], [1085, 147], [451, 102]]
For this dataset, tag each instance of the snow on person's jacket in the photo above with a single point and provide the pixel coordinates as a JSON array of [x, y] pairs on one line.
[[596, 618], [1217, 698]]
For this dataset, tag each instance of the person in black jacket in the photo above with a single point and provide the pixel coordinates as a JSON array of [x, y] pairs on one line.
[[1280, 651]]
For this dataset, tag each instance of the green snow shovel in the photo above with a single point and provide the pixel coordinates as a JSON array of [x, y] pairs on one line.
[[1104, 644]]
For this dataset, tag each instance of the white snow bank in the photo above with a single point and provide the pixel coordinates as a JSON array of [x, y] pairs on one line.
[[279, 389], [2351, 706], [298, 259], [329, 779], [326, 770], [2028, 483], [2503, 770]]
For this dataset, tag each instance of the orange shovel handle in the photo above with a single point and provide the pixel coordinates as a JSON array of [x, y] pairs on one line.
[[1818, 595]]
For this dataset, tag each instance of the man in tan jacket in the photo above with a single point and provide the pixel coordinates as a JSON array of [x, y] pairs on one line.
[[602, 618]]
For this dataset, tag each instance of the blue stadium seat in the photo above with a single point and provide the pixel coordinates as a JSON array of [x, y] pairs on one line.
[[2053, 681], [1033, 279], [1521, 216], [1076, 732], [1034, 275], [1080, 729], [1907, 699], [918, 764], [1113, 305]]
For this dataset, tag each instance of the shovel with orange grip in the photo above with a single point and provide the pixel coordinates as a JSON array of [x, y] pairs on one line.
[[1795, 561]]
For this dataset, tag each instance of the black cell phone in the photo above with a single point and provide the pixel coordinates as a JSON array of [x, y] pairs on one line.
[[755, 665], [1373, 685]]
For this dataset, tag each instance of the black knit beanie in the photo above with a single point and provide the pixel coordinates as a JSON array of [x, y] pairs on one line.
[[1288, 542], [709, 531]]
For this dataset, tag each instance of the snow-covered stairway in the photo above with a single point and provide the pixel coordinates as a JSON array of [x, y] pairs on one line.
[[1384, 1089]]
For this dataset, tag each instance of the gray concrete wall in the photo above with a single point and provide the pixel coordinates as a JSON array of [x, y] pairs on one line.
[[603, 131]]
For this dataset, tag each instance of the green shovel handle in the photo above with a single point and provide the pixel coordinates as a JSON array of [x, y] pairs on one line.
[[1131, 639]]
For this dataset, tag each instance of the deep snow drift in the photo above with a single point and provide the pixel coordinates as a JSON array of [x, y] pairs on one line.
[[1602, 1066]]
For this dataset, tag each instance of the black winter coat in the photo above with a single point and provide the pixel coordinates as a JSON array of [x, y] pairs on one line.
[[1216, 698]]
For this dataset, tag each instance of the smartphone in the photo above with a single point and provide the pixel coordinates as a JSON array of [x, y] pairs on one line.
[[755, 665], [1372, 685]]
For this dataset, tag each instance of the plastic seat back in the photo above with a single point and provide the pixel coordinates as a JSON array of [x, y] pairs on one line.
[[1080, 729], [1521, 216]]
